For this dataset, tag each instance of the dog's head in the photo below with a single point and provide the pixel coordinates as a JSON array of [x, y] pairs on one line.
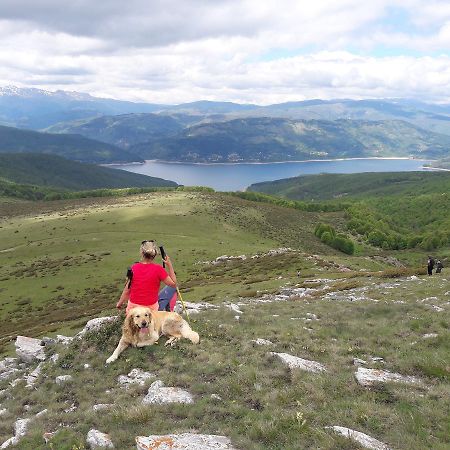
[[138, 320]]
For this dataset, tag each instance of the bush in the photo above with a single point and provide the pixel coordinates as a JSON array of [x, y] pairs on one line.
[[327, 234]]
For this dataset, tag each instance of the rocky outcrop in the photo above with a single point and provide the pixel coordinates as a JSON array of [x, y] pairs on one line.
[[362, 439], [159, 394], [8, 368], [367, 377], [96, 324], [294, 362], [97, 439], [29, 349], [20, 429], [185, 441]]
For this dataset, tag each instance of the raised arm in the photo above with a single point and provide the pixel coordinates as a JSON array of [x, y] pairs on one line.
[[171, 280]]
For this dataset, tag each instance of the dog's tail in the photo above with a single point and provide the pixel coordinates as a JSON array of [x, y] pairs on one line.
[[188, 333]]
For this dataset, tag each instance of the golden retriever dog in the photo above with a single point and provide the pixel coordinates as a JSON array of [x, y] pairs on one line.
[[143, 326]]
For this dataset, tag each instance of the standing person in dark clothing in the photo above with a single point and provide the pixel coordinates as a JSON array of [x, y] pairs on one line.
[[430, 265], [439, 266]]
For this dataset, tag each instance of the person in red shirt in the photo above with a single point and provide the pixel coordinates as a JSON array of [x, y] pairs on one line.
[[144, 279]]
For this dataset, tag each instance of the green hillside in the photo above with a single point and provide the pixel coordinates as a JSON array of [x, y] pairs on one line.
[[56, 172], [356, 185], [63, 263], [123, 130], [70, 146], [389, 210], [272, 139]]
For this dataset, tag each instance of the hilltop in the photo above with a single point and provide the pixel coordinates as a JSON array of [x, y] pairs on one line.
[[51, 171], [63, 263], [71, 146]]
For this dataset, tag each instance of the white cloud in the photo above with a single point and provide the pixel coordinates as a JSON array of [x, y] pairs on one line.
[[170, 51]]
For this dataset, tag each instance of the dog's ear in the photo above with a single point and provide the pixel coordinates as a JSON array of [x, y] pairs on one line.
[[129, 327]]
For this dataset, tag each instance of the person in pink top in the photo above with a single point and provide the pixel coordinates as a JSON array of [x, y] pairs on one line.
[[144, 279]]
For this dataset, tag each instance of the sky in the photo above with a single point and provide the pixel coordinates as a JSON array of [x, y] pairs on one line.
[[246, 51]]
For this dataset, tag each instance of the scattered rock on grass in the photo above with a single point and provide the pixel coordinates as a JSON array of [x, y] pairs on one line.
[[261, 341], [29, 349], [429, 335], [136, 376], [185, 441], [158, 394], [367, 377], [33, 376], [102, 406], [61, 379], [294, 362], [97, 439], [361, 438], [8, 367], [20, 429]]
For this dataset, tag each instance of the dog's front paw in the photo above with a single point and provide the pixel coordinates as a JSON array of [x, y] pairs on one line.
[[110, 360]]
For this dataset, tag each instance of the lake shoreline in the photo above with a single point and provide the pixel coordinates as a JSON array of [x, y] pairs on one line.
[[387, 158]]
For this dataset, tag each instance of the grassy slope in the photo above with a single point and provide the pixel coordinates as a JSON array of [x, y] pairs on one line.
[[71, 146], [55, 171], [65, 263]]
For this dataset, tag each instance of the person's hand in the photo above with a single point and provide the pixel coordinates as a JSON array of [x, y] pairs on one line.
[[167, 261], [119, 305]]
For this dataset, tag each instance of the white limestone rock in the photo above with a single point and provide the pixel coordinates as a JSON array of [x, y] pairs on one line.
[[185, 441], [29, 349], [136, 376], [362, 439], [54, 358], [294, 362], [32, 377], [97, 439], [159, 394], [96, 324], [65, 340], [8, 364], [194, 308], [20, 430], [102, 406], [3, 411], [261, 341], [233, 307], [429, 335], [62, 379], [367, 377]]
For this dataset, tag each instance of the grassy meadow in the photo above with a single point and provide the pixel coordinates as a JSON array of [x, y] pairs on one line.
[[64, 262]]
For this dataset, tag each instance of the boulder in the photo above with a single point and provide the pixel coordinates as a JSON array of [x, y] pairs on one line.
[[158, 394], [29, 349], [294, 362], [367, 377], [362, 439], [185, 441], [136, 376], [97, 439], [96, 324]]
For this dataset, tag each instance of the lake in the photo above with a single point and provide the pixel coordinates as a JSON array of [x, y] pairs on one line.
[[236, 177]]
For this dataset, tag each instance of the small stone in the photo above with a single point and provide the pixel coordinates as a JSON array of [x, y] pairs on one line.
[[97, 439], [3, 411], [158, 394], [294, 362], [102, 406], [136, 376], [429, 336], [29, 349], [234, 308], [61, 379], [65, 340], [359, 362], [367, 377], [213, 397], [361, 438], [54, 358], [261, 341], [86, 366], [48, 436], [185, 441], [41, 413], [71, 408]]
